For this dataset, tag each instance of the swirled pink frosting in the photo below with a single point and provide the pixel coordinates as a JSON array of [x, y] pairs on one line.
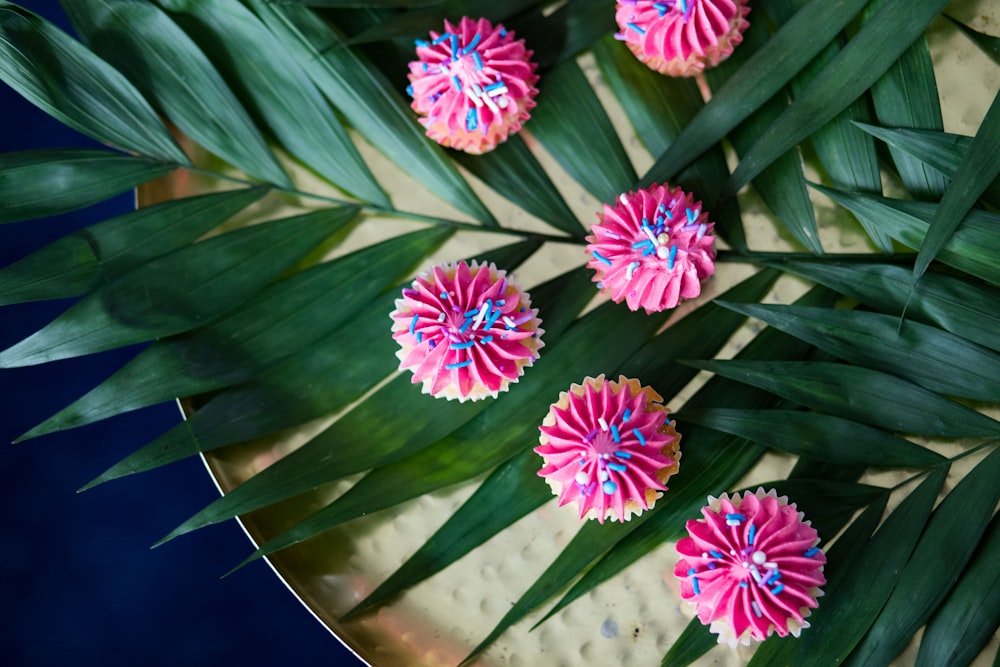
[[751, 567], [652, 248], [473, 85], [681, 37], [465, 331], [609, 447]]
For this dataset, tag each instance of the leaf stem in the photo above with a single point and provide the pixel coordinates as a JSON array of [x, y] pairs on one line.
[[754, 257]]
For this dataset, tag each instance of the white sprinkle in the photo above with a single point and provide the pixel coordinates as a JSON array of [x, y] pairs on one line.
[[604, 424], [663, 252], [623, 199], [630, 270], [649, 233], [732, 522], [509, 322], [493, 105], [441, 317], [756, 609], [602, 475], [502, 102], [771, 566], [472, 96], [755, 573], [759, 557], [582, 478], [480, 317], [497, 92]]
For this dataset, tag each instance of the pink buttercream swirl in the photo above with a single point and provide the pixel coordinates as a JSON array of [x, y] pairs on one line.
[[473, 85], [681, 37], [609, 447], [751, 566], [465, 331], [652, 248]]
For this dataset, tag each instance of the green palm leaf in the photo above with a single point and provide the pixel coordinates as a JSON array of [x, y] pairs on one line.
[[266, 329]]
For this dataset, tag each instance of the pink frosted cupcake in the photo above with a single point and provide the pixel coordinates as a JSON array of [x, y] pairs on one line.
[[465, 332], [473, 85], [751, 567], [609, 447], [681, 37], [652, 248]]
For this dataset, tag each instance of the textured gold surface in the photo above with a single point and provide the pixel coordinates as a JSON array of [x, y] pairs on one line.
[[631, 619]]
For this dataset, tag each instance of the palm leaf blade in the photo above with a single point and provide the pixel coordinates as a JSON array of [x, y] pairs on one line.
[[849, 74], [572, 125], [922, 354], [62, 77], [176, 292], [959, 521], [763, 75], [275, 87], [149, 48], [860, 394], [76, 263], [38, 183], [963, 625], [367, 101]]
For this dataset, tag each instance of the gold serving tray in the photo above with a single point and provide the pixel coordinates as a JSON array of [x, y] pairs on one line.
[[630, 620]]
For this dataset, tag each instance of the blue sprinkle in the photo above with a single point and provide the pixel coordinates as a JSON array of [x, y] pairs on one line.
[[599, 257], [753, 533], [471, 122], [642, 440], [692, 571], [494, 86], [777, 589], [609, 487], [711, 566], [465, 325], [485, 339], [672, 258], [461, 346], [444, 295], [494, 316], [424, 65], [716, 553], [458, 364], [409, 91], [743, 584], [420, 336], [454, 47], [660, 7], [614, 433], [503, 32], [472, 44], [661, 208], [641, 244], [617, 467], [694, 584], [432, 344], [623, 455], [692, 216], [458, 84], [478, 59], [773, 578], [735, 517], [650, 250], [471, 312], [811, 552], [583, 462], [670, 215], [413, 324], [443, 38], [420, 42], [636, 28], [626, 415]]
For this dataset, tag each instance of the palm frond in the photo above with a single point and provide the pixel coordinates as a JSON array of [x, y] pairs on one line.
[[310, 195]]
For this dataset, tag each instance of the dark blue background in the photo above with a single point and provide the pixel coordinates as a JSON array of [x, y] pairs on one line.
[[78, 582]]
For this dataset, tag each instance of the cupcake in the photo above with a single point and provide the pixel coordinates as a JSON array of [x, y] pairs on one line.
[[652, 248], [609, 447], [465, 332], [681, 37], [472, 85], [751, 567]]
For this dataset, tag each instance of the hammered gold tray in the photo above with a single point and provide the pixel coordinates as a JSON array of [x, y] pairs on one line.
[[630, 620]]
